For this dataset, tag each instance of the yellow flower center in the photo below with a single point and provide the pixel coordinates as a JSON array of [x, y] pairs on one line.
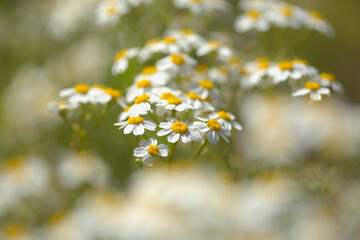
[[153, 150], [206, 84], [152, 41], [62, 104], [201, 68], [127, 108], [197, 1], [261, 60], [180, 127], [287, 10], [285, 65], [115, 94], [253, 14], [111, 10], [177, 59], [328, 76], [167, 95], [223, 70], [81, 88], [135, 120], [224, 115], [14, 163], [13, 230], [174, 100], [263, 65], [120, 54], [194, 96], [149, 70], [213, 125], [142, 98], [143, 84], [302, 61], [99, 86], [169, 40], [188, 31], [313, 86], [214, 44], [317, 14]]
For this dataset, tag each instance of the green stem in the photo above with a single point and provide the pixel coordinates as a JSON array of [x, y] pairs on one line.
[[100, 120], [172, 150], [153, 117], [187, 115], [205, 143]]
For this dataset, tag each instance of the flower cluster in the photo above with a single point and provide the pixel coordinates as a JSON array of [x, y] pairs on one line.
[[260, 15], [298, 72], [176, 92]]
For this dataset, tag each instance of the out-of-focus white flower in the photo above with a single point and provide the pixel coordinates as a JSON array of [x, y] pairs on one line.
[[213, 128], [136, 125], [255, 72], [303, 66], [170, 44], [226, 119], [152, 46], [153, 74], [121, 63], [75, 169], [256, 4], [205, 88], [283, 71], [177, 63], [316, 21], [135, 3], [178, 130], [60, 108], [219, 74], [329, 80], [173, 103], [313, 89], [223, 51], [200, 6], [78, 94], [188, 37], [110, 11], [16, 231], [149, 150], [103, 95], [252, 20], [198, 103], [285, 15]]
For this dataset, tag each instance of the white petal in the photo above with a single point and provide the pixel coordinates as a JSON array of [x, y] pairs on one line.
[[185, 138], [236, 125], [140, 152], [149, 125], [139, 129], [224, 137], [301, 92], [173, 137], [164, 132], [195, 136], [148, 160], [213, 136], [128, 129], [163, 150], [144, 143]]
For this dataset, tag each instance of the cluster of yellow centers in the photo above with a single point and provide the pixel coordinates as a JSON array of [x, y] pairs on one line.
[[224, 115], [115, 94], [328, 76], [179, 127], [313, 86], [142, 98], [121, 54], [302, 61], [169, 40], [178, 59], [153, 150], [287, 10], [143, 83], [213, 125], [135, 120], [149, 70], [253, 14], [207, 84], [194, 96], [81, 88], [285, 65]]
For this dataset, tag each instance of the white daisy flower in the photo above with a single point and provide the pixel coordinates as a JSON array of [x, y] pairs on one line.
[[124, 114], [223, 51], [103, 95], [142, 105], [198, 103], [252, 20], [177, 130], [152, 46], [61, 108], [121, 63], [329, 80], [177, 63], [255, 65], [149, 150], [110, 11], [303, 66], [313, 89], [153, 74], [283, 71], [173, 103], [286, 15], [206, 88], [213, 129], [219, 74], [137, 89], [136, 125], [257, 70], [171, 44], [78, 94], [188, 37], [226, 119], [200, 72], [316, 21]]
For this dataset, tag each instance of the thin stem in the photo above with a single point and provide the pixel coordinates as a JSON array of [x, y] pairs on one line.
[[172, 150], [205, 143], [100, 120], [153, 117], [187, 115]]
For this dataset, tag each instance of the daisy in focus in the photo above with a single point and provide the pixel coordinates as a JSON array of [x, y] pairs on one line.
[[314, 90], [136, 125], [226, 119], [142, 105], [177, 63], [213, 128], [149, 150], [78, 94], [177, 130]]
